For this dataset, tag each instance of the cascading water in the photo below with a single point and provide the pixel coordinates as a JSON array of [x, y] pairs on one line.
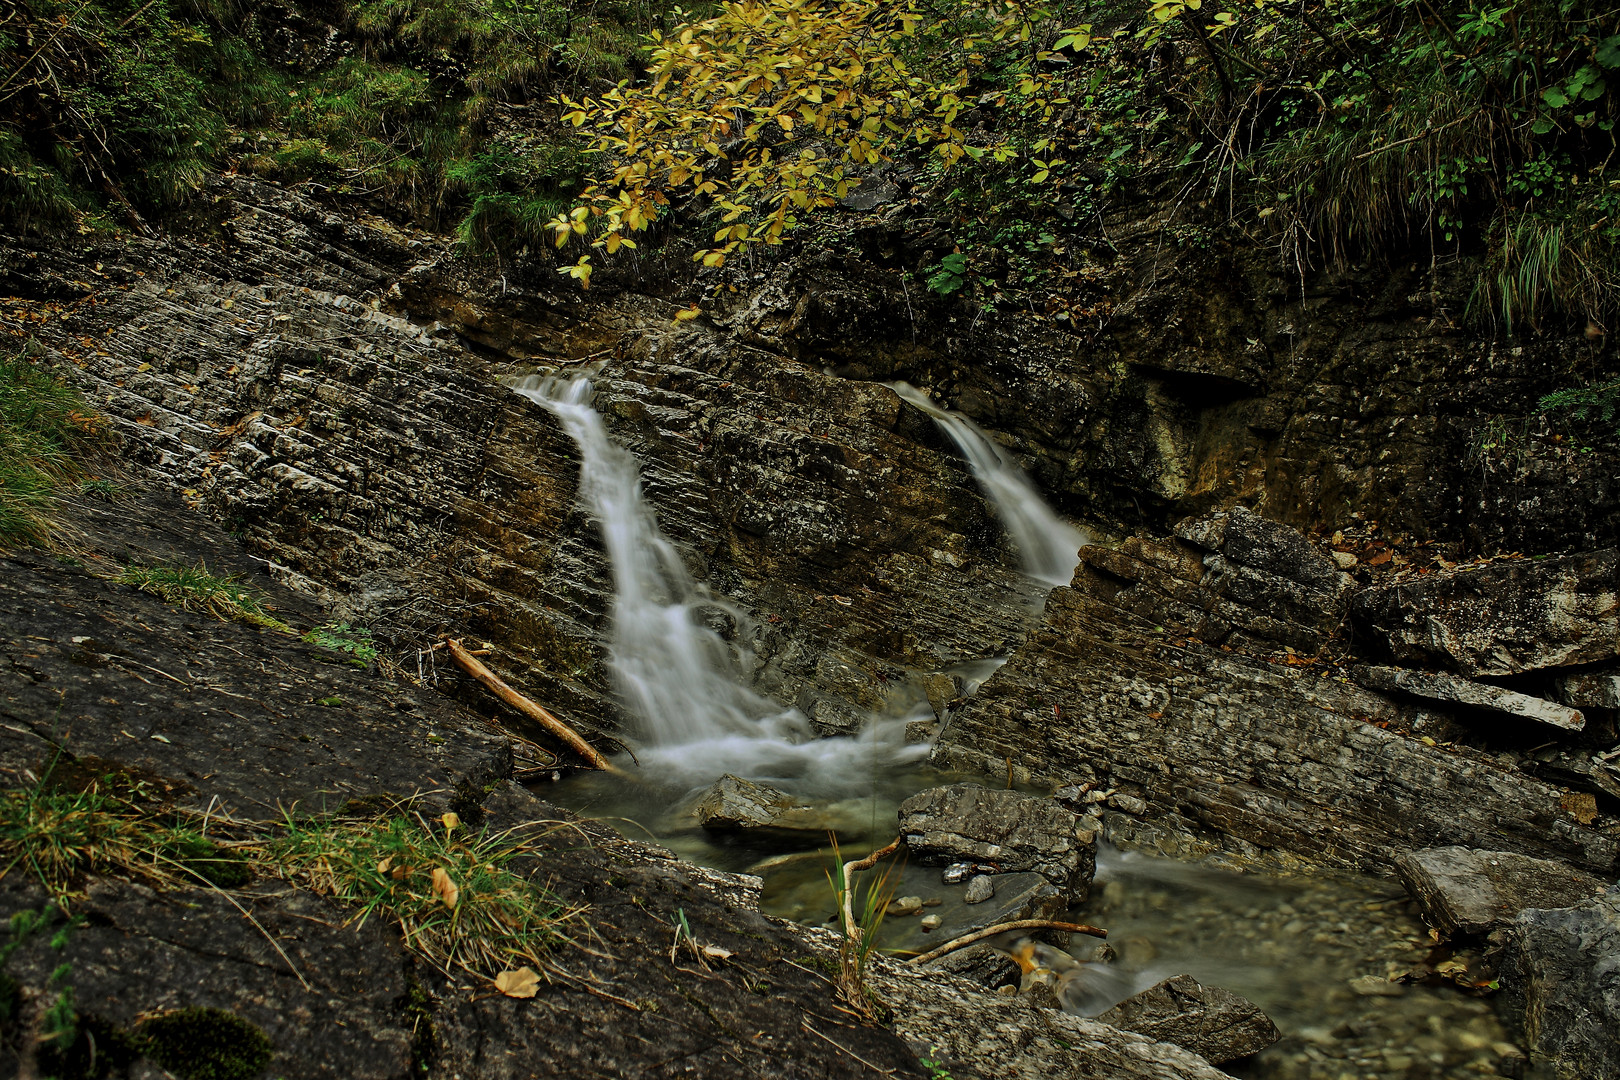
[[1048, 545], [679, 677]]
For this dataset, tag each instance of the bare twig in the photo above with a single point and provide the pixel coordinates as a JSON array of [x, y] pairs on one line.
[[470, 664], [1001, 928]]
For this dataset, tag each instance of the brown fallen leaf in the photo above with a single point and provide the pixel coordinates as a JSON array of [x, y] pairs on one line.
[[445, 889], [715, 952], [451, 821], [383, 867], [522, 983], [1581, 806]]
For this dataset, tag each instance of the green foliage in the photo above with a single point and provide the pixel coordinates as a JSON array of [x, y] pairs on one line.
[[45, 432], [1599, 400], [860, 918], [132, 106], [195, 589], [951, 274], [343, 638]]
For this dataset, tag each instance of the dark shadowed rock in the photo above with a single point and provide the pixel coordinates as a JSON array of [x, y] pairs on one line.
[[1009, 829], [1507, 618], [325, 991], [1463, 891], [982, 964], [1452, 689], [1560, 978], [1216, 1024]]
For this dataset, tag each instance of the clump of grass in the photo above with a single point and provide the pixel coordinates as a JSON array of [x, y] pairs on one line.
[[343, 638], [59, 837], [454, 894], [196, 589], [860, 917], [45, 431]]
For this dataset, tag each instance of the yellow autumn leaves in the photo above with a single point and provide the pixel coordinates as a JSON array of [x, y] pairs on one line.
[[765, 108]]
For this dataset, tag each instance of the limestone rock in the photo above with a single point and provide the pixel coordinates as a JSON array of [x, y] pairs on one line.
[[979, 889], [1510, 617], [1241, 756], [1589, 689], [1216, 1024], [1009, 829], [734, 804], [1463, 891], [1450, 688], [982, 964], [1560, 976]]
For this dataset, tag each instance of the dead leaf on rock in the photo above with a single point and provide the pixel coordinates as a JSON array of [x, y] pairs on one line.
[[715, 952], [451, 821], [522, 983], [1581, 806], [445, 889]]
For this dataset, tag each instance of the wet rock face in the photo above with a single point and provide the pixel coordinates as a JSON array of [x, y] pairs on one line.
[[1561, 981], [1216, 1024], [333, 1014], [1008, 829], [1469, 892], [1144, 678], [1506, 619]]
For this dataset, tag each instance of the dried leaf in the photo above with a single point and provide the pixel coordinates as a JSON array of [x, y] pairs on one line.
[[445, 889], [1581, 806], [687, 314], [715, 952], [383, 867], [522, 983], [451, 821]]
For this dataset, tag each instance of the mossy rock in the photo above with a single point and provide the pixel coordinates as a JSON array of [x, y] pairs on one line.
[[205, 1044]]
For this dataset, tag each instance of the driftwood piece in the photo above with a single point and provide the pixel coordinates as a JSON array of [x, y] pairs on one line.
[[1001, 928], [472, 666]]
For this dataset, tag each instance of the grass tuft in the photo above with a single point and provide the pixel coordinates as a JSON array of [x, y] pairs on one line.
[[45, 431], [195, 589], [454, 894]]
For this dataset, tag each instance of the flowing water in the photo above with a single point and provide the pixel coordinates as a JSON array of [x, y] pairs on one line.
[[684, 682], [1048, 545], [1300, 948]]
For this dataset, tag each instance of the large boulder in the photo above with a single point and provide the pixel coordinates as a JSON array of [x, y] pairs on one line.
[[1216, 1024], [1009, 830], [1464, 891], [1510, 617], [1560, 975]]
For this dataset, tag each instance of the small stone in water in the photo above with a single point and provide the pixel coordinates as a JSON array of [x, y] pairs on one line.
[[931, 922], [958, 872], [932, 901], [906, 905], [979, 890], [1373, 986]]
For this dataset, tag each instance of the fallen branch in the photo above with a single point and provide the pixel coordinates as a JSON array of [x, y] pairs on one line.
[[1002, 928], [471, 665], [853, 867]]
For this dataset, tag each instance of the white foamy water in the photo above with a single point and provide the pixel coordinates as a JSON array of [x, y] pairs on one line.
[[681, 679], [1048, 545]]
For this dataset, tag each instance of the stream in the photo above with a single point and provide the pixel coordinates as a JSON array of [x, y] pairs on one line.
[[1315, 952]]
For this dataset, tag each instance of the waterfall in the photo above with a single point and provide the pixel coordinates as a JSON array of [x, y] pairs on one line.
[[1048, 545], [679, 677]]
